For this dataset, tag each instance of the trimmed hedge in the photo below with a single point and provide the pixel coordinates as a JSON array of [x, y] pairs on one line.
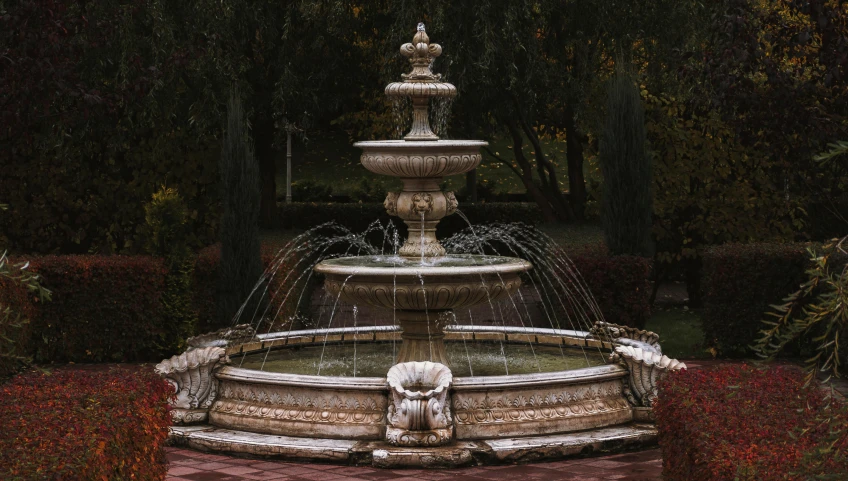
[[739, 283], [84, 425], [357, 216], [619, 284], [104, 308], [741, 423]]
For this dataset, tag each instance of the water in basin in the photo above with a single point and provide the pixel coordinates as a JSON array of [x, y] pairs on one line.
[[375, 359]]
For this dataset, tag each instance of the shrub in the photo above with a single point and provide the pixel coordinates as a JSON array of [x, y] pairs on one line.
[[739, 283], [84, 425], [103, 308], [312, 191], [627, 200], [16, 285], [619, 284], [742, 423], [240, 266], [165, 216]]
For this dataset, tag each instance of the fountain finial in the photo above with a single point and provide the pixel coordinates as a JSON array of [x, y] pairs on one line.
[[421, 54]]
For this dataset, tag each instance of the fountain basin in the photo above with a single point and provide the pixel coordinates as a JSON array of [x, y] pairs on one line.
[[421, 159], [407, 284]]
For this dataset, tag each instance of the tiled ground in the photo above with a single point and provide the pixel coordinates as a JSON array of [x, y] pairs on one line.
[[188, 465]]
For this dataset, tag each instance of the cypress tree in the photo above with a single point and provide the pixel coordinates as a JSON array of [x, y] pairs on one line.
[[241, 264], [627, 204]]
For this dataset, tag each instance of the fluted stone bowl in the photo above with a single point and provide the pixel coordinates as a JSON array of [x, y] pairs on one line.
[[428, 379], [420, 159], [405, 283]]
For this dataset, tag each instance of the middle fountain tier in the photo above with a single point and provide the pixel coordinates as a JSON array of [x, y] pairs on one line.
[[421, 286]]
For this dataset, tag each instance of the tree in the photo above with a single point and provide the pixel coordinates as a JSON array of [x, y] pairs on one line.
[[626, 166], [241, 265], [525, 69]]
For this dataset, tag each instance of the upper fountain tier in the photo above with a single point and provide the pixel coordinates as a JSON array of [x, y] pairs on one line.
[[421, 84]]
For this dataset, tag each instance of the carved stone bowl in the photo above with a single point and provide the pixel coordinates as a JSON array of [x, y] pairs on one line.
[[406, 284], [420, 159]]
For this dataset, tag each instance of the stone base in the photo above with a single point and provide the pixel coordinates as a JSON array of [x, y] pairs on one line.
[[381, 454], [189, 416], [431, 438]]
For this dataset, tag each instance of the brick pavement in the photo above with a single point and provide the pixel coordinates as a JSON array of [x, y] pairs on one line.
[[188, 465]]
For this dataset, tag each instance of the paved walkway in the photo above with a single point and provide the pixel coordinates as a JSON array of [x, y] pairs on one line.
[[188, 465]]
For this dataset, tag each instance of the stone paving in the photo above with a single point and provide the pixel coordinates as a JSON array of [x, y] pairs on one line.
[[188, 465]]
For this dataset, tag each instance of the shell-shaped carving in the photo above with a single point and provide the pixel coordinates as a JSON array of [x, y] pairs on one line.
[[427, 378], [191, 375], [646, 369], [606, 331], [228, 335]]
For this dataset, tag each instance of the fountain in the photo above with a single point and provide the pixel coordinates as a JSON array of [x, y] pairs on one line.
[[416, 411]]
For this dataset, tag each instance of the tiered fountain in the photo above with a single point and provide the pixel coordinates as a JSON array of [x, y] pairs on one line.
[[420, 412]]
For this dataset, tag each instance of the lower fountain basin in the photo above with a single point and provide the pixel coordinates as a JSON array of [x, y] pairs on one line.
[[402, 283], [483, 407]]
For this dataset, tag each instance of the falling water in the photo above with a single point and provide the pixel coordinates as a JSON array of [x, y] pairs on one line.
[[440, 115]]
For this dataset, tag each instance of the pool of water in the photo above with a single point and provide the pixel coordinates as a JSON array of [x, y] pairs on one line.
[[375, 359]]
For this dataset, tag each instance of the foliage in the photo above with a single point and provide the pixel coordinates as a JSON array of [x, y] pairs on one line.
[[619, 283], [280, 283], [626, 166], [103, 308], [818, 308], [739, 283], [739, 422], [17, 284], [84, 425], [708, 189], [311, 191], [241, 265], [166, 219], [776, 74], [93, 119], [370, 191]]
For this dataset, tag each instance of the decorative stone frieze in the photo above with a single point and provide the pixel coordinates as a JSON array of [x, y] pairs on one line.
[[419, 412], [191, 375], [646, 340], [646, 369]]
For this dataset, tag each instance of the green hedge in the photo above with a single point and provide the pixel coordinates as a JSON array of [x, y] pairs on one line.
[[358, 216], [739, 283], [84, 425]]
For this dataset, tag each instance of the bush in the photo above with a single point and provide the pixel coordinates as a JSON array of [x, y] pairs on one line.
[[739, 283], [103, 308], [619, 284], [84, 425], [741, 423], [17, 284], [312, 191]]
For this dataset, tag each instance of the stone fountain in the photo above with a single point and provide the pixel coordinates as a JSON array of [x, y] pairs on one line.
[[419, 413]]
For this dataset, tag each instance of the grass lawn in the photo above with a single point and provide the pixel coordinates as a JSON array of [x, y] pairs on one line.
[[681, 336], [332, 159]]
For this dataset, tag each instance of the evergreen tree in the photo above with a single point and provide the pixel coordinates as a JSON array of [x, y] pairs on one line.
[[241, 264], [626, 166]]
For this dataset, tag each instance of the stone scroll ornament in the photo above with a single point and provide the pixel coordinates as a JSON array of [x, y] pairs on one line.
[[191, 375], [646, 369], [419, 411]]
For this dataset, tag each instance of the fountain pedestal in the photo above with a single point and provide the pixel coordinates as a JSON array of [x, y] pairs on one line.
[[423, 336]]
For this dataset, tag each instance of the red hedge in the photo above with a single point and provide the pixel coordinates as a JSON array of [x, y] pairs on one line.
[[84, 425], [103, 308], [619, 284], [742, 423]]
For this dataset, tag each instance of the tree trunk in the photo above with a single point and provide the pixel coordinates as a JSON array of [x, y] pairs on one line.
[[527, 174], [266, 155], [574, 158], [471, 185]]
